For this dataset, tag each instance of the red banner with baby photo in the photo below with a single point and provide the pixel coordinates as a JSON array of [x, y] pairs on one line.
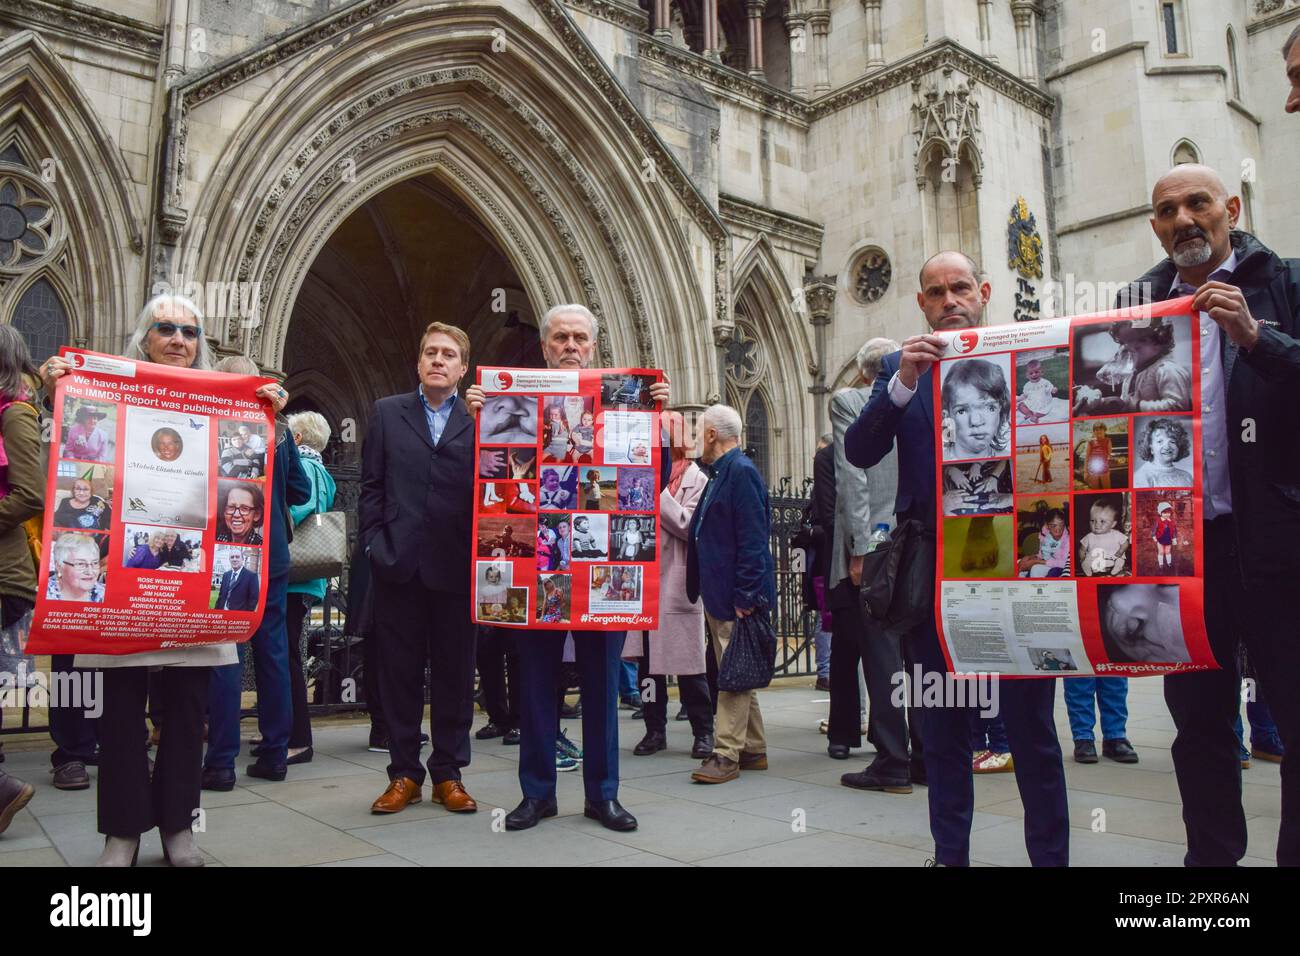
[[157, 509], [566, 519], [1069, 506]]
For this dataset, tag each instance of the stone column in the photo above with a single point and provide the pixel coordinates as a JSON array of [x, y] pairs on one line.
[[1025, 13], [819, 293], [797, 28], [754, 15], [986, 30], [661, 22], [711, 29], [875, 36], [821, 27]]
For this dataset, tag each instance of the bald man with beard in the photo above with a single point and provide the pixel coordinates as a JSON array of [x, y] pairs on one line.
[[1247, 304]]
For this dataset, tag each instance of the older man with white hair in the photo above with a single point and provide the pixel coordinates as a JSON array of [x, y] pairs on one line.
[[569, 333], [729, 535]]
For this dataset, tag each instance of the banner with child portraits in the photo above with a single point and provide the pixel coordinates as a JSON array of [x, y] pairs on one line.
[[566, 515], [1069, 506], [156, 509]]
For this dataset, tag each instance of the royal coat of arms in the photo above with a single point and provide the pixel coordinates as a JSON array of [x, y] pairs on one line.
[[1024, 245]]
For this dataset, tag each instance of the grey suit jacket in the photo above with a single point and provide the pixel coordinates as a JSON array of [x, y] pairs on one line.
[[864, 497]]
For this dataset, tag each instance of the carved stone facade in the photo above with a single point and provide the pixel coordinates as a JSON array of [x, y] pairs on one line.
[[741, 191]]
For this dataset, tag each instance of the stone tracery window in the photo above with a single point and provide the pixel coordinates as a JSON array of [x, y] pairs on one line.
[[41, 319], [746, 366], [872, 273], [26, 223]]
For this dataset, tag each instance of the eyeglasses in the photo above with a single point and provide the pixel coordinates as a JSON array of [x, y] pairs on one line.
[[83, 565], [168, 329], [242, 510]]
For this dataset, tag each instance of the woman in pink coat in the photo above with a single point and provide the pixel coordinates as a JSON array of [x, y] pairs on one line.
[[677, 646]]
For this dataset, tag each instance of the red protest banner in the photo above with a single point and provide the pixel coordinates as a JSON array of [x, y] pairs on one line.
[[1070, 532], [157, 509], [566, 515]]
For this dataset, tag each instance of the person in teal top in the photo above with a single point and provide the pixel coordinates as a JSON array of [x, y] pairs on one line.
[[311, 432]]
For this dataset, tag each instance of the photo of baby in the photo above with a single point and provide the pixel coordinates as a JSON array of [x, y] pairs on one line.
[[507, 497], [513, 611], [1137, 365], [568, 429], [1164, 539], [1043, 532], [1164, 445], [494, 578], [590, 537], [519, 464], [1104, 549], [1042, 379], [626, 390], [508, 420], [636, 489], [977, 487], [632, 539], [559, 488], [600, 489], [1043, 458], [1101, 454], [554, 542], [976, 408], [1142, 624], [506, 537]]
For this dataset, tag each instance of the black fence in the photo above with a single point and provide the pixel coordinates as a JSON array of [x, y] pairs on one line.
[[333, 655]]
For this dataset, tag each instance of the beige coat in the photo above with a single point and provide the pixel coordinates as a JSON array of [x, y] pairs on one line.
[[677, 646]]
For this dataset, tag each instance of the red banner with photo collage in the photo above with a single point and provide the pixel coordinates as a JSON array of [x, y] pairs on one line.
[[1068, 470], [157, 509], [566, 516]]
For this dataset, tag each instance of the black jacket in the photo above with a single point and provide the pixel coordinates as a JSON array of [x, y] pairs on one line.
[[1262, 389], [417, 501], [823, 509]]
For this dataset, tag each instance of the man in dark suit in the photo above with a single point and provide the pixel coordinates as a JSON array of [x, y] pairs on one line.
[[416, 509], [1247, 303], [568, 335], [239, 588], [729, 536], [953, 296]]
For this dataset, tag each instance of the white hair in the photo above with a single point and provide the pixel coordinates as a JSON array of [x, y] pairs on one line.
[[70, 542], [571, 308], [872, 354], [149, 315], [722, 418], [313, 427], [238, 365]]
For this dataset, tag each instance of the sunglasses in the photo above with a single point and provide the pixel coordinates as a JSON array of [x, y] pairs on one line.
[[168, 329]]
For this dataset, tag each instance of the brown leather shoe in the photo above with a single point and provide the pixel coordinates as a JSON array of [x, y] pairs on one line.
[[452, 795], [749, 761], [400, 792], [717, 769]]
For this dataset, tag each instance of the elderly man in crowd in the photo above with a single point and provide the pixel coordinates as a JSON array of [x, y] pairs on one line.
[[729, 537], [1247, 303], [1291, 53], [568, 335], [415, 527], [953, 296]]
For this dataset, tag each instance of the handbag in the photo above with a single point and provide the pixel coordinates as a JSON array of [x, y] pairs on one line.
[[898, 578], [750, 658], [318, 548]]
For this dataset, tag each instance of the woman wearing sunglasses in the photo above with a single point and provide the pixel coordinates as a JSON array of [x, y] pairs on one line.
[[169, 331]]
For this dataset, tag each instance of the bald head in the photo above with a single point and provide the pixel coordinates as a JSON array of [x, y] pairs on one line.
[[953, 291], [1193, 218]]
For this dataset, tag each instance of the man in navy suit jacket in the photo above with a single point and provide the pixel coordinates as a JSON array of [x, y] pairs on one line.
[[239, 588], [416, 510], [729, 536], [953, 296]]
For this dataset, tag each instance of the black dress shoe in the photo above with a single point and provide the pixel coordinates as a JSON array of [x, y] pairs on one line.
[[873, 779], [529, 813], [703, 746], [638, 713], [1085, 751], [490, 731], [218, 778], [611, 815], [1119, 750], [652, 742], [682, 715], [511, 737], [267, 771], [838, 751], [569, 711], [304, 757]]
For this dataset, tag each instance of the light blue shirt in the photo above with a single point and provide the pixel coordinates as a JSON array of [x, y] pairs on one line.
[[437, 417], [1216, 490]]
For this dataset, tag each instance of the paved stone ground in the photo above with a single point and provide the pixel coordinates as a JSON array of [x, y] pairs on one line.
[[320, 815]]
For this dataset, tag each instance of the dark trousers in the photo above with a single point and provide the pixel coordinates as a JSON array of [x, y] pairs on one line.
[[1205, 707], [498, 675], [370, 657], [845, 723], [270, 649], [74, 734], [300, 729], [1026, 709], [694, 692], [416, 626], [598, 659], [130, 803]]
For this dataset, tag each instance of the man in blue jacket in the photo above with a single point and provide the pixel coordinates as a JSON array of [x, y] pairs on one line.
[[239, 587], [953, 296], [729, 536]]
